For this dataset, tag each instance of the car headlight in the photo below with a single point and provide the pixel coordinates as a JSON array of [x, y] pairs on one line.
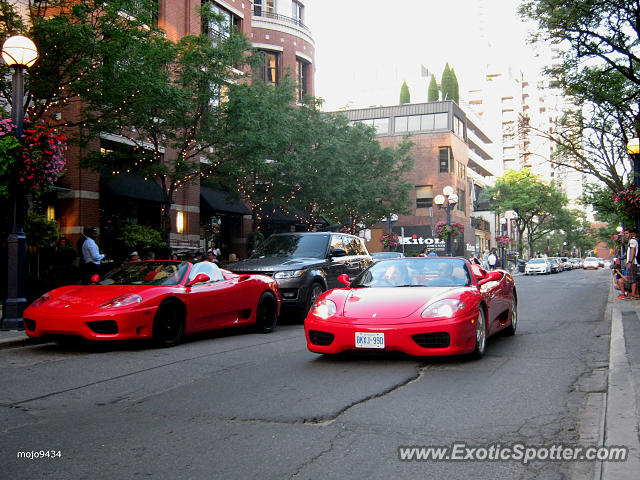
[[289, 274], [443, 308], [42, 300], [122, 301], [324, 309]]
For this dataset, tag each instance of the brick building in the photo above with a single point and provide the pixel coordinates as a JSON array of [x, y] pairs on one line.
[[198, 214], [450, 150]]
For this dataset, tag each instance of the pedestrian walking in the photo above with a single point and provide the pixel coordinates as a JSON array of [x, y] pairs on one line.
[[91, 255], [632, 265], [492, 259], [485, 260]]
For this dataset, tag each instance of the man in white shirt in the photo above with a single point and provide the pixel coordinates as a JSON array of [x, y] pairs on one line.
[[632, 266], [91, 255]]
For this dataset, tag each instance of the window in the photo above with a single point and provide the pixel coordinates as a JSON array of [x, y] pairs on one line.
[[445, 158], [264, 8], [269, 71], [424, 196], [461, 170], [297, 12], [462, 200], [380, 124], [219, 28], [440, 121], [458, 127], [302, 74]]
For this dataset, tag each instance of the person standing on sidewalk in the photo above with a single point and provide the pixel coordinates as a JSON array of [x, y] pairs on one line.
[[632, 266], [91, 255]]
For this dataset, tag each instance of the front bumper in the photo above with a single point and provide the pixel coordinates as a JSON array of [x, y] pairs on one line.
[[129, 324], [398, 336]]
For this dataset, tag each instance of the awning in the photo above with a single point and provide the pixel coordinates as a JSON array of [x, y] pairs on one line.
[[219, 201], [134, 186]]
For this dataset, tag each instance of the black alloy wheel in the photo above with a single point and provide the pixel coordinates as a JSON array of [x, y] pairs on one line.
[[266, 313], [168, 325]]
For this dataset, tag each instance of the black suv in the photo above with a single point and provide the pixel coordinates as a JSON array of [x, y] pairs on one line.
[[306, 264]]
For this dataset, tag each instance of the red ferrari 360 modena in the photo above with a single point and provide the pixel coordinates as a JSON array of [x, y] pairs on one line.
[[420, 306], [162, 300]]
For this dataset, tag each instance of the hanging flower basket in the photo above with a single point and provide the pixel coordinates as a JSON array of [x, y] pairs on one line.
[[628, 203], [503, 240], [40, 156], [443, 231], [390, 239]]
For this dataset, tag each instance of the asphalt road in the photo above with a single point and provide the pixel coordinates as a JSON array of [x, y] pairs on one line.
[[240, 405]]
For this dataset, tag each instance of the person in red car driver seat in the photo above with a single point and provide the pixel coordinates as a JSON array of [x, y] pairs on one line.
[[632, 266]]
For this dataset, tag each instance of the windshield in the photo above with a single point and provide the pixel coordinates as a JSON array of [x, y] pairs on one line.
[[147, 273], [416, 272], [293, 246], [537, 260], [385, 255]]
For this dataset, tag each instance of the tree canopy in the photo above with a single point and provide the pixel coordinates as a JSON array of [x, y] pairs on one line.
[[433, 92], [599, 73], [539, 206]]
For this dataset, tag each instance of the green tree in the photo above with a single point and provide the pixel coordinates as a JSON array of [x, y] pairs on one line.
[[405, 97], [173, 121], [599, 72], [433, 92], [455, 88], [445, 83], [538, 205]]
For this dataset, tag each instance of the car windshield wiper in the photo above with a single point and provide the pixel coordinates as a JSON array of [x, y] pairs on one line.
[[410, 285]]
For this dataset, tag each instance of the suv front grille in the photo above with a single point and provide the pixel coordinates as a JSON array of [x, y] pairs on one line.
[[432, 340], [320, 338]]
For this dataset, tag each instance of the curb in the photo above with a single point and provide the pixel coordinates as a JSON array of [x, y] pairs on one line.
[[21, 342], [621, 421]]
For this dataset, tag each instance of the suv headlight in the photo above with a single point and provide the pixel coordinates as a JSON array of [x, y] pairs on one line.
[[289, 274]]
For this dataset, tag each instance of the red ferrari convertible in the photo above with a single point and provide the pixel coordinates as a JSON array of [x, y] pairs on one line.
[[419, 306], [162, 300]]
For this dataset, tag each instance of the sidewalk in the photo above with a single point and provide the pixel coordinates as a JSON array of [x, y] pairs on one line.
[[622, 414]]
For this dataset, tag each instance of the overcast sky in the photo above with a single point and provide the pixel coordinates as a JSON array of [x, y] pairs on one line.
[[366, 48]]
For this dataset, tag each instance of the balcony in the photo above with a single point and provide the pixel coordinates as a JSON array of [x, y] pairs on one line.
[[480, 224], [259, 12]]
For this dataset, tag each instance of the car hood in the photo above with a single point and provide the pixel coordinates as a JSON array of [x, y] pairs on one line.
[[270, 264], [88, 298], [378, 305]]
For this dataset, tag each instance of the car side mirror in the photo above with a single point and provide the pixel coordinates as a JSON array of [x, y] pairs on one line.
[[95, 278], [338, 252], [344, 279], [492, 276], [200, 278]]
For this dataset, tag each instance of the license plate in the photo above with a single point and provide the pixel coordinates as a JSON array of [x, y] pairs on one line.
[[369, 340]]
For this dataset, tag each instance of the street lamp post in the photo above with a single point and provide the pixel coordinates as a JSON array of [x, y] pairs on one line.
[[451, 200], [633, 149], [19, 53], [548, 246]]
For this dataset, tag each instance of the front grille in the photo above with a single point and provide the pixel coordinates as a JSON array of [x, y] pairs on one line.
[[29, 324], [104, 327], [320, 338], [432, 340]]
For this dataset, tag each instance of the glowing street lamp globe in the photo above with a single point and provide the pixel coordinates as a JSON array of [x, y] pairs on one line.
[[19, 51], [439, 200], [448, 190]]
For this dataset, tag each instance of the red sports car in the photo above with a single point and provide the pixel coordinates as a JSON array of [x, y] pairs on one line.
[[162, 300], [419, 306]]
